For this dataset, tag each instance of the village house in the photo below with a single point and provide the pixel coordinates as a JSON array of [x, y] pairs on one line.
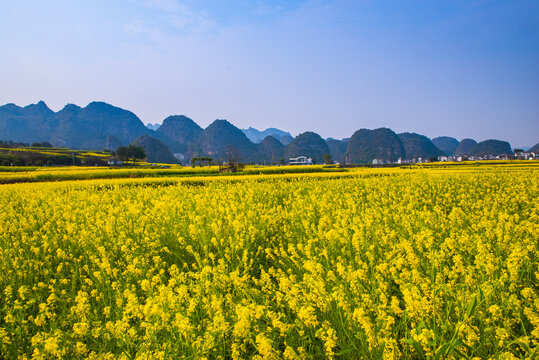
[[115, 162], [526, 155], [300, 160]]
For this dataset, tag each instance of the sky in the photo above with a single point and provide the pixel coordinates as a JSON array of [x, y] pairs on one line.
[[467, 69]]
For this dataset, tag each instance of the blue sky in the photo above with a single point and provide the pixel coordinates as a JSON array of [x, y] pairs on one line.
[[456, 68]]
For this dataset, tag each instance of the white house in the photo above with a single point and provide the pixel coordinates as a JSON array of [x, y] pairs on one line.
[[300, 160]]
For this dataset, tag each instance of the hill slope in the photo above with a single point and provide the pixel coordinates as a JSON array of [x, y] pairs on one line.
[[491, 147], [270, 151], [73, 126], [366, 145], [28, 124], [100, 125], [447, 144], [156, 151], [337, 149], [307, 144], [534, 148], [89, 127], [418, 146], [465, 147], [257, 136], [179, 132], [220, 137]]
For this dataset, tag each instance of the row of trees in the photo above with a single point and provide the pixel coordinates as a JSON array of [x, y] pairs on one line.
[[131, 152], [44, 144], [14, 145], [27, 158]]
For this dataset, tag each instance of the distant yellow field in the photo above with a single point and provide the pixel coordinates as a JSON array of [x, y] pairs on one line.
[[436, 262]]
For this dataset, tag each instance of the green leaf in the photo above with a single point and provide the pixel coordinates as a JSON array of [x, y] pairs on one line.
[[416, 345], [452, 346], [471, 308], [346, 351]]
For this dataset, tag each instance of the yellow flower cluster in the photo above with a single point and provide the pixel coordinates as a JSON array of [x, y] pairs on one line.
[[379, 263]]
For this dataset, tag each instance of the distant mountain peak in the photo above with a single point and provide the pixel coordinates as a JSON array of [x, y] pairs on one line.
[[366, 145], [153, 126], [308, 144], [257, 136], [71, 107], [220, 136], [447, 144], [156, 151], [418, 146], [221, 122], [178, 117], [100, 124], [177, 132], [273, 129], [41, 104], [40, 107], [491, 147], [465, 147], [99, 104], [270, 139], [102, 106]]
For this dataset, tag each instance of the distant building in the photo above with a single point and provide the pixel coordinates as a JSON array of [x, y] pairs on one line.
[[442, 158], [115, 162], [300, 160], [377, 161], [526, 155]]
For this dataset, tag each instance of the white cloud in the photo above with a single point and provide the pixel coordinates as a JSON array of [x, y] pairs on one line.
[[166, 5], [162, 22], [185, 18]]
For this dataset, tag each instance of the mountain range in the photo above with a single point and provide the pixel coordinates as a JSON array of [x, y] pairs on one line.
[[102, 126], [258, 136]]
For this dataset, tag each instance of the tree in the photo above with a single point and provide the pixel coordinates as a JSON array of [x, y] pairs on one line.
[[202, 161], [232, 156], [327, 158], [123, 153], [136, 152], [132, 152]]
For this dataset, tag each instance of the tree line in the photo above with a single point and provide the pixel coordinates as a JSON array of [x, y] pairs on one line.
[[131, 152]]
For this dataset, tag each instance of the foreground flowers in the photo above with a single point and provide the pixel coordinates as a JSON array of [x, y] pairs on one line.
[[411, 264]]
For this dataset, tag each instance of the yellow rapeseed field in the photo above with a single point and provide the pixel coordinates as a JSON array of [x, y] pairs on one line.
[[367, 264]]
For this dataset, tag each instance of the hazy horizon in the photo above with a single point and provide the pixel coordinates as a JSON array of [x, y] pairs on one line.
[[464, 69]]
